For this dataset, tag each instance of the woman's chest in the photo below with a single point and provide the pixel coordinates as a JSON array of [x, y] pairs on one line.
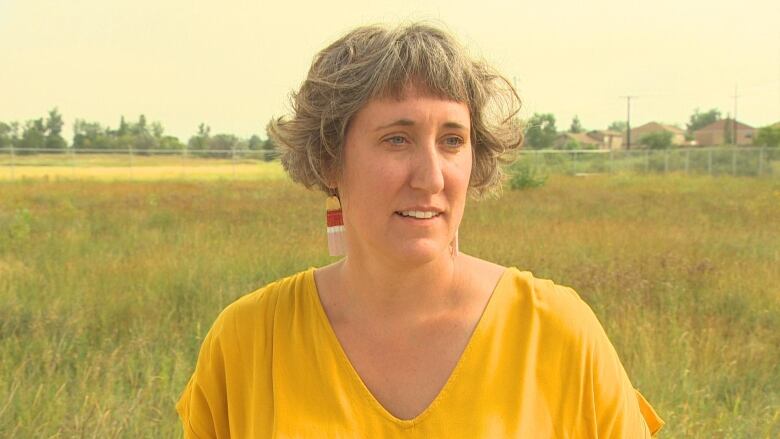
[[405, 372]]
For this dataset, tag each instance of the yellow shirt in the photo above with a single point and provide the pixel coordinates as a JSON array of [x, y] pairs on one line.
[[538, 365]]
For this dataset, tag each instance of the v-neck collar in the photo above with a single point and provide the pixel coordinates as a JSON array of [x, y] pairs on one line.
[[346, 365]]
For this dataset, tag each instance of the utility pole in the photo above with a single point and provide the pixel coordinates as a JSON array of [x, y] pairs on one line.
[[628, 120], [736, 136]]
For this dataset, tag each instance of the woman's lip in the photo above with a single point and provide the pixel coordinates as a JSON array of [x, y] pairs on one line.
[[412, 218]]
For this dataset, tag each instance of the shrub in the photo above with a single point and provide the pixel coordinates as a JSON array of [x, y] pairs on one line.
[[524, 176]]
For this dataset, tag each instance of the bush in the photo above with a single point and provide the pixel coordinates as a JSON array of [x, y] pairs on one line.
[[524, 176], [657, 140], [768, 136]]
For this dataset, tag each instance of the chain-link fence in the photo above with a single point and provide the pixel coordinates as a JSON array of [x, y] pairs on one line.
[[160, 164], [736, 161]]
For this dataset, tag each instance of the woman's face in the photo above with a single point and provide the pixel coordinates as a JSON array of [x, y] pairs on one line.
[[404, 177]]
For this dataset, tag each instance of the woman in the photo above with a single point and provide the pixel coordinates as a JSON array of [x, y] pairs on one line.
[[406, 336]]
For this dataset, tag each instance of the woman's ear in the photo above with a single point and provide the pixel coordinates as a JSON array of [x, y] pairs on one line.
[[331, 177]]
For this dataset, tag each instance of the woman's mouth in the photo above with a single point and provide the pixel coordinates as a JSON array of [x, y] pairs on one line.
[[418, 214]]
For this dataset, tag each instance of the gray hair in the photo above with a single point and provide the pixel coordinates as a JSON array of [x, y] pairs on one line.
[[379, 62]]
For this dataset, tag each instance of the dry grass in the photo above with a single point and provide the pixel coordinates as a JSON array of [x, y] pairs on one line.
[[106, 289], [106, 167]]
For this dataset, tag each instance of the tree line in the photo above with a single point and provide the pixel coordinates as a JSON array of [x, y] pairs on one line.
[[140, 136], [541, 132]]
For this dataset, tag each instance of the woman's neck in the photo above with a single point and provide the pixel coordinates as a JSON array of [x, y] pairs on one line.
[[375, 289]]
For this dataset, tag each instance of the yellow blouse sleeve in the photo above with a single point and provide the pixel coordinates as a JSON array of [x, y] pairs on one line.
[[202, 406], [617, 409], [654, 422]]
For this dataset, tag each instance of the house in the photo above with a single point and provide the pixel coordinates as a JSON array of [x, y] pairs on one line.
[[566, 139], [720, 133], [596, 139], [608, 139], [678, 134]]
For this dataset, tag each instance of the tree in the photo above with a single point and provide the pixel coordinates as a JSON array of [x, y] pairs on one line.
[[269, 150], [657, 140], [618, 125], [123, 127], [53, 127], [5, 135], [91, 135], [219, 145], [768, 136], [576, 126], [541, 131], [200, 141], [33, 136], [171, 143], [728, 132], [255, 142], [157, 130], [140, 126], [700, 120], [145, 141]]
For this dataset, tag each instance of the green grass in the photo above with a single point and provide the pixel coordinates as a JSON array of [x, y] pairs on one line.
[[106, 289]]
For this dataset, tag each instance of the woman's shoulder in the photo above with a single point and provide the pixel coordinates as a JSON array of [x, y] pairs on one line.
[[556, 307], [540, 291], [260, 307]]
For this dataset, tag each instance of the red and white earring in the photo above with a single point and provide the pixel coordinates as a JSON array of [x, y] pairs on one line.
[[335, 222]]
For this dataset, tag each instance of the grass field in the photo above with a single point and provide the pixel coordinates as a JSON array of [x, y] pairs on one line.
[[107, 288], [248, 165], [107, 167]]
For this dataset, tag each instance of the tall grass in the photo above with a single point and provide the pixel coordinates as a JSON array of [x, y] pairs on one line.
[[106, 289]]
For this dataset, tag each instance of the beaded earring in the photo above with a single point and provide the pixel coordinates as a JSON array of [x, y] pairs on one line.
[[335, 223]]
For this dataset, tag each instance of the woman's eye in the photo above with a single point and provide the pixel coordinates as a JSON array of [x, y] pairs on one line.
[[396, 140], [453, 141]]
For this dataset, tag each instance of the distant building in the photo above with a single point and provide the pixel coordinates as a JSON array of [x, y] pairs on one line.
[[584, 141], [678, 135], [720, 133], [596, 139], [608, 139]]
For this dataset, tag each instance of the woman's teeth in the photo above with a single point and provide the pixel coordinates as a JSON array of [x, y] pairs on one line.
[[419, 214]]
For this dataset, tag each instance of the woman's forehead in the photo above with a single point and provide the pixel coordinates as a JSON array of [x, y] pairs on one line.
[[414, 108]]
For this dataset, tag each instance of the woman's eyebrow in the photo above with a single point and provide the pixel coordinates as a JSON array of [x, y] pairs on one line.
[[399, 122], [407, 122], [453, 125]]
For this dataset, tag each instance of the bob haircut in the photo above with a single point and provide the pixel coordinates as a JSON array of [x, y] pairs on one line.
[[373, 62]]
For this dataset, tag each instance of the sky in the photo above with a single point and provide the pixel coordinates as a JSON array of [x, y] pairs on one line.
[[232, 64]]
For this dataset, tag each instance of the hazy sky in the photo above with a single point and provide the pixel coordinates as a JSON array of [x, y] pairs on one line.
[[232, 64]]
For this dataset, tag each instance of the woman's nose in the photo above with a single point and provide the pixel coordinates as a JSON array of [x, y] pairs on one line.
[[427, 168]]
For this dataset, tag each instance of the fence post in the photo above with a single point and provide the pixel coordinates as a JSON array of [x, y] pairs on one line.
[[761, 161], [72, 151], [666, 161], [573, 162], [13, 172], [709, 162], [234, 162], [611, 161], [734, 161], [130, 148], [687, 160], [647, 161]]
